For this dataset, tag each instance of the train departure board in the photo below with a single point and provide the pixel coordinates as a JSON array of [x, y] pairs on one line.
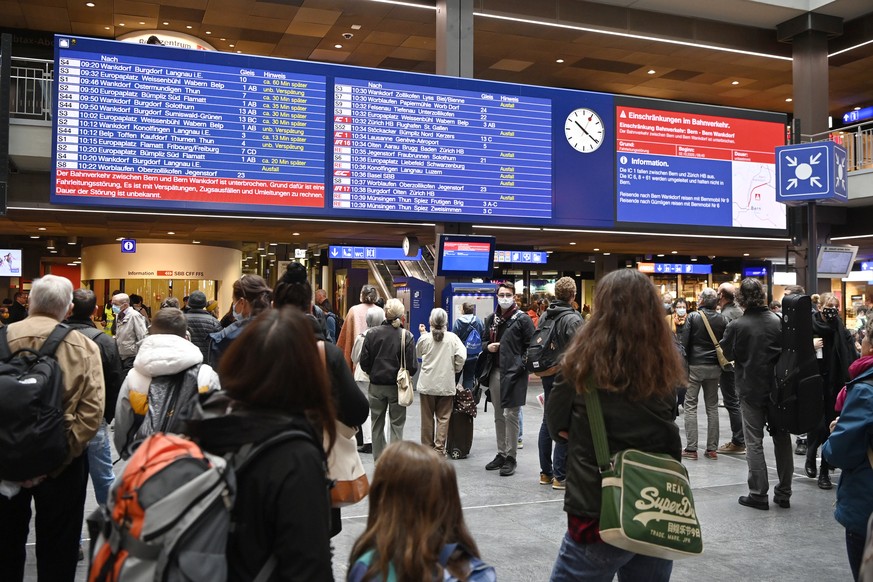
[[400, 148], [146, 127]]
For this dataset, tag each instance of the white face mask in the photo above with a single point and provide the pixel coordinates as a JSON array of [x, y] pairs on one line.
[[680, 311], [505, 302]]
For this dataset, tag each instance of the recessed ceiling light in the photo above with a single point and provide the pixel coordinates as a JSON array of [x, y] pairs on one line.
[[674, 252], [106, 28], [196, 242], [89, 4], [660, 254], [41, 228], [141, 22], [735, 82], [239, 52], [222, 39], [207, 32], [295, 234], [166, 24], [355, 27], [789, 100], [559, 61], [53, 251], [189, 27], [857, 109], [121, 238], [120, 24], [71, 264], [651, 71], [273, 244], [232, 45], [171, 232], [606, 254], [572, 243], [32, 236], [595, 250], [694, 259], [745, 254], [337, 46]]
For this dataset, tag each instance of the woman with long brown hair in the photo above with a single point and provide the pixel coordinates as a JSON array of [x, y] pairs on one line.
[[273, 382], [251, 296], [415, 527], [626, 352]]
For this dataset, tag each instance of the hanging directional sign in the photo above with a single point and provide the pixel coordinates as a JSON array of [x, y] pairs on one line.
[[675, 268], [811, 171], [371, 253]]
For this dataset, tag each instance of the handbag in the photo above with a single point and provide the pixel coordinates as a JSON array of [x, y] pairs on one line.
[[344, 466], [725, 364], [404, 379], [463, 401], [647, 506]]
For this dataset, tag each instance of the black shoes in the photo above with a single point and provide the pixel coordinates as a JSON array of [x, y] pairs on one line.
[[508, 467], [824, 480], [497, 463], [783, 503], [801, 447], [810, 469], [366, 449], [749, 502]]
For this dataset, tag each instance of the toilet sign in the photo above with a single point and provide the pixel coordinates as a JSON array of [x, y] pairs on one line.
[[128, 245]]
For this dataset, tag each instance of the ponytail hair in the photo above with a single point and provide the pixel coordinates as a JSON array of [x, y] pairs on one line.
[[438, 321], [394, 311]]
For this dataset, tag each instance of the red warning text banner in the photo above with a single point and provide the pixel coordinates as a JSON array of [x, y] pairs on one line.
[[121, 185]]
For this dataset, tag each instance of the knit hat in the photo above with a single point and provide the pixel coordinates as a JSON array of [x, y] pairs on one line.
[[197, 300]]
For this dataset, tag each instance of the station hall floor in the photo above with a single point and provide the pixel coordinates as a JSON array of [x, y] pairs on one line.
[[518, 523]]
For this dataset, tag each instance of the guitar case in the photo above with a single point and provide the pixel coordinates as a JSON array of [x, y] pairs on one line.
[[798, 396]]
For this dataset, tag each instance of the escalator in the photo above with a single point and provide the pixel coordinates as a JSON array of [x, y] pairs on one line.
[[384, 272]]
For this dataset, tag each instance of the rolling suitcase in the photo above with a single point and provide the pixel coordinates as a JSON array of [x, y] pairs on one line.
[[460, 438]]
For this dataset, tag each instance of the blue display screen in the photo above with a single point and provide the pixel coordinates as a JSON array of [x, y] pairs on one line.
[[151, 127], [461, 256]]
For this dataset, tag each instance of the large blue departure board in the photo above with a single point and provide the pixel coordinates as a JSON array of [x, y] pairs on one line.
[[151, 127]]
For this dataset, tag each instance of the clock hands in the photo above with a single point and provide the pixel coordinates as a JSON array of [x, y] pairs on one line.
[[586, 132]]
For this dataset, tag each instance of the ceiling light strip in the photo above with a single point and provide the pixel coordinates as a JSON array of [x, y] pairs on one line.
[[214, 216], [628, 35], [407, 4], [851, 237], [667, 235], [851, 48]]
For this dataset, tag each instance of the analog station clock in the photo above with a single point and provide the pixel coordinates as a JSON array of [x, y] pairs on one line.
[[584, 130]]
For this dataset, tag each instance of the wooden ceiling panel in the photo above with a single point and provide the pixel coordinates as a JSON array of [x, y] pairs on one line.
[[391, 39], [317, 16], [413, 54], [274, 11], [88, 29], [137, 8], [253, 47], [329, 55], [308, 29]]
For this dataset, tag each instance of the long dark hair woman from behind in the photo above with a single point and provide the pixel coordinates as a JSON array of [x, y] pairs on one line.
[[282, 507], [627, 351], [415, 537], [251, 296]]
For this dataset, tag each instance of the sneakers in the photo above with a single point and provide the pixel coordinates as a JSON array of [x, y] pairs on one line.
[[498, 462], [508, 467], [711, 455], [729, 448], [559, 484], [520, 444], [545, 479], [686, 454]]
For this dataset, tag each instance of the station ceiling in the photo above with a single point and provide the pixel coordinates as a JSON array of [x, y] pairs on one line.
[[722, 53]]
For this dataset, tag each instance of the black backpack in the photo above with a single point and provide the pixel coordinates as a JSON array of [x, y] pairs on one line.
[[338, 324], [33, 439], [798, 396], [546, 346]]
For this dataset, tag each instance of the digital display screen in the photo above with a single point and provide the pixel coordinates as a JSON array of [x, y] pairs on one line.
[[160, 128], [465, 256], [835, 260], [10, 262], [687, 167]]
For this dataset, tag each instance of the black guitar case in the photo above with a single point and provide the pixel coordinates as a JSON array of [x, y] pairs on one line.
[[798, 397]]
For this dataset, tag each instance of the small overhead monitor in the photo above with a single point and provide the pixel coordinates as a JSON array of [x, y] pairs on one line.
[[10, 262], [465, 255], [784, 278], [835, 261]]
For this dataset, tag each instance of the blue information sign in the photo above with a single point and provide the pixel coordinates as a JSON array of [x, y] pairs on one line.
[[371, 253], [128, 245], [524, 257], [858, 115], [755, 272], [675, 268], [812, 171]]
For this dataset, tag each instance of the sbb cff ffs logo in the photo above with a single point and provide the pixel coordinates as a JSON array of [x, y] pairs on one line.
[[180, 274]]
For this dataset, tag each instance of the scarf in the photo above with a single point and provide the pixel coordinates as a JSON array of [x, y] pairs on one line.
[[500, 319]]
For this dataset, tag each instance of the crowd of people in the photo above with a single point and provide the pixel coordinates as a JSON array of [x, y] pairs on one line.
[[285, 360]]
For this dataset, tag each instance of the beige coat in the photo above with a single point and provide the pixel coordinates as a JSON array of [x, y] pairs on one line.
[[440, 361], [79, 357]]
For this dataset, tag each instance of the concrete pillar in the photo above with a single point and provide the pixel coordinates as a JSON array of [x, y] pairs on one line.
[[454, 38]]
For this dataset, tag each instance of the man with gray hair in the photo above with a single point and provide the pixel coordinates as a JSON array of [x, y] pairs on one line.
[[730, 311], [59, 497], [130, 329], [704, 372]]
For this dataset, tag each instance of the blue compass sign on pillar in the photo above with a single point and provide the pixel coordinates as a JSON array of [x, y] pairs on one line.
[[811, 171]]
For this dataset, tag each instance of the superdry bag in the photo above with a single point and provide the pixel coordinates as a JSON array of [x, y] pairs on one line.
[[33, 438], [647, 506]]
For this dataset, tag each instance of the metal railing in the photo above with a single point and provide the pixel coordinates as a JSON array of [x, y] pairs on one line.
[[858, 141], [31, 83]]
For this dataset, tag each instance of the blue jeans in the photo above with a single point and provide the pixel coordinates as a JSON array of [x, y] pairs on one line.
[[557, 466], [468, 374], [100, 463], [600, 562]]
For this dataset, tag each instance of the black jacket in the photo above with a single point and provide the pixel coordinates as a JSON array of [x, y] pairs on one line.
[[282, 506], [565, 327], [646, 426], [200, 325], [17, 312], [380, 354], [837, 353], [754, 343], [699, 348], [112, 371], [514, 336]]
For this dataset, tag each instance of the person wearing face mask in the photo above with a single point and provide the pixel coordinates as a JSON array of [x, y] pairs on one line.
[[667, 299], [509, 331], [251, 296], [837, 353], [130, 329]]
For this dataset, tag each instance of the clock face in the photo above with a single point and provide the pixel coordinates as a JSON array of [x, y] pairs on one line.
[[584, 130]]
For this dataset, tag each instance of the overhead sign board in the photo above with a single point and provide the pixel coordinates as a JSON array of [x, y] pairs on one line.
[[675, 268], [371, 253], [755, 272], [858, 115], [811, 171], [524, 257]]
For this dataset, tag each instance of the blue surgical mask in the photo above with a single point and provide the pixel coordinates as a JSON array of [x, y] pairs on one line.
[[116, 309], [236, 314]]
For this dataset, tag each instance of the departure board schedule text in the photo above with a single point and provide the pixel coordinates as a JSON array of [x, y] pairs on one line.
[[135, 128], [402, 148]]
